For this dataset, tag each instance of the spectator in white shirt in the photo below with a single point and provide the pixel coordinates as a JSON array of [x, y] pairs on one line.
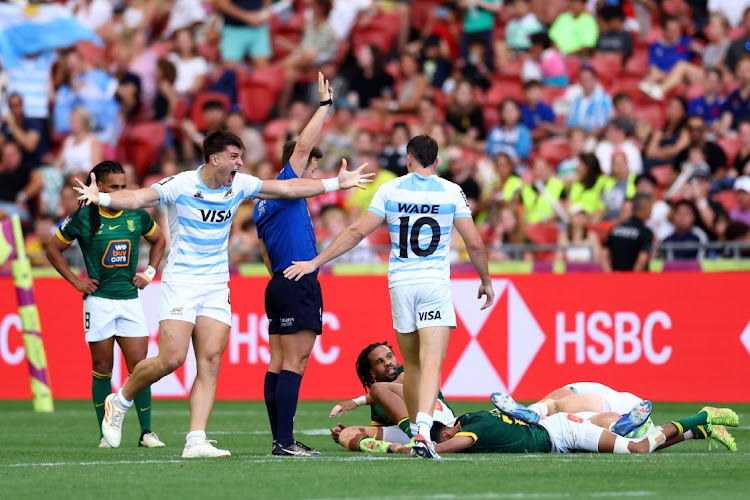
[[617, 139], [191, 67]]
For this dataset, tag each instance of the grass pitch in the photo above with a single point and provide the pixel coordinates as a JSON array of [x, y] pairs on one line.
[[54, 456]]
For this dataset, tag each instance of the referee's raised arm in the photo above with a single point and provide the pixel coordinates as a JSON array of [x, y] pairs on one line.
[[311, 133]]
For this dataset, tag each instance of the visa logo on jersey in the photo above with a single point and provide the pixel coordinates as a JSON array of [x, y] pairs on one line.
[[117, 254], [429, 315], [410, 208], [216, 215]]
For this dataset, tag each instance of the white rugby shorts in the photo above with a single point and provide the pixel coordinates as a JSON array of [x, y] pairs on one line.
[[104, 318], [618, 402], [422, 305], [569, 432], [185, 302]]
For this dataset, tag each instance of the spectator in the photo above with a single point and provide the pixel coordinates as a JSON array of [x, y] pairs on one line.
[[614, 39], [461, 172], [29, 133], [506, 188], [697, 191], [575, 31], [577, 243], [81, 149], [628, 246], [741, 212], [245, 31], [165, 101], [684, 217], [737, 232], [244, 245], [732, 10], [737, 105], [444, 21], [338, 142], [368, 80], [518, 32], [393, 157], [617, 139], [411, 89], [624, 108], [714, 156], [541, 198], [666, 143], [214, 116], [365, 148], [592, 108], [19, 184], [670, 53], [435, 61], [477, 68], [479, 21], [536, 114], [719, 41], [619, 187], [586, 191], [92, 14], [465, 116], [507, 230], [31, 79], [659, 221], [359, 201], [344, 15], [142, 63], [334, 222], [191, 67], [255, 149], [737, 50], [743, 155], [544, 63], [429, 119], [709, 104], [511, 136], [568, 168]]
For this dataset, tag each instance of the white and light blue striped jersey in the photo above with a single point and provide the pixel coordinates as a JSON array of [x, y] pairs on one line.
[[420, 212], [200, 219]]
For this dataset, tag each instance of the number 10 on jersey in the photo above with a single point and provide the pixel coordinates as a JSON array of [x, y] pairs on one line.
[[410, 239]]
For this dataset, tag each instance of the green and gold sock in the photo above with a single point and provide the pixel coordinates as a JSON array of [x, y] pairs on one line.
[[700, 418], [143, 406], [101, 387], [701, 432], [405, 426]]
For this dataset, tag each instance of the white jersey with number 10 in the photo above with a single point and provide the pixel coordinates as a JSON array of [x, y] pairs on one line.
[[420, 212]]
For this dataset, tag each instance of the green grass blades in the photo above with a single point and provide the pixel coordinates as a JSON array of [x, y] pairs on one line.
[[56, 456]]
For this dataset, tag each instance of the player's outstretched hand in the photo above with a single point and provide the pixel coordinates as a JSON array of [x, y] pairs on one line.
[[355, 178], [342, 408], [299, 269], [87, 285], [324, 91], [487, 291], [336, 432], [90, 193]]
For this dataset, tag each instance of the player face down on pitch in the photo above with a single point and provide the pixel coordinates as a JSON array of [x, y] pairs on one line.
[[195, 304], [109, 241]]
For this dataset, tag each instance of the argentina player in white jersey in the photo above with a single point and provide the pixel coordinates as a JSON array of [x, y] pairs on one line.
[[195, 294], [421, 210]]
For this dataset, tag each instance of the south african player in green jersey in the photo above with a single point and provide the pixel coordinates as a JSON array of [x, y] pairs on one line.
[[109, 241]]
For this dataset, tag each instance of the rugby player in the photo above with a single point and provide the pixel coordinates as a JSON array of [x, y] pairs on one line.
[[381, 375], [195, 301], [109, 242], [421, 210]]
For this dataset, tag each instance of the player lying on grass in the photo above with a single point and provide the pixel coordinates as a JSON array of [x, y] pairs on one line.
[[598, 398], [381, 375], [495, 432]]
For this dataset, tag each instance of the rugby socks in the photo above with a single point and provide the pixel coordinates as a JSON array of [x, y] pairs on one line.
[[540, 409], [101, 387], [405, 426], [121, 401], [143, 405], [413, 428], [699, 432], [424, 424], [269, 394], [683, 424], [287, 393], [194, 437]]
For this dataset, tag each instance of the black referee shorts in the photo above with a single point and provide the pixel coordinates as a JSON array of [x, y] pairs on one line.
[[292, 306]]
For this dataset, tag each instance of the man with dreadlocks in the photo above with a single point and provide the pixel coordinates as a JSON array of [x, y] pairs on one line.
[[111, 310], [381, 375]]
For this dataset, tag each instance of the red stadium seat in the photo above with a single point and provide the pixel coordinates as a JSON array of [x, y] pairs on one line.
[[141, 144], [370, 123], [503, 89], [664, 174], [573, 65], [651, 113], [380, 31], [607, 67], [727, 199], [545, 233], [731, 146], [554, 150], [196, 113], [490, 116], [637, 64], [256, 102]]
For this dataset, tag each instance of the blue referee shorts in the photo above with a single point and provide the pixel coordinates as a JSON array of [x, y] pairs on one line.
[[292, 306]]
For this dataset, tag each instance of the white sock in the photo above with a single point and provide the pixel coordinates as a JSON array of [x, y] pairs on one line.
[[424, 424], [194, 437], [121, 401], [540, 409], [621, 445], [688, 434], [413, 428]]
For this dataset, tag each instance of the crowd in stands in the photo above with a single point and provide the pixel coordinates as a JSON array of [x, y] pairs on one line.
[[609, 127]]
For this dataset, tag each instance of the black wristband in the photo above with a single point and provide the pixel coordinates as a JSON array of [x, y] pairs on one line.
[[326, 103]]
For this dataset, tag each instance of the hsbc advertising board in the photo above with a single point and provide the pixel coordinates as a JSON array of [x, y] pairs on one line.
[[666, 337]]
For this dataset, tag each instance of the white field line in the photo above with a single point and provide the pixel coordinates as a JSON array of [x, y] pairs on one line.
[[519, 495]]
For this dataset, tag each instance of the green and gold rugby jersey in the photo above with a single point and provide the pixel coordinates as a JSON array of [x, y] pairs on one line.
[[111, 255], [494, 432], [377, 414]]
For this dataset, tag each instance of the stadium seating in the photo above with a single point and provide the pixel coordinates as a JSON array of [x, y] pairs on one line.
[[196, 111], [140, 144]]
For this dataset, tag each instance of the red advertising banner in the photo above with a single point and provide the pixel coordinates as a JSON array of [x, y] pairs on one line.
[[666, 337]]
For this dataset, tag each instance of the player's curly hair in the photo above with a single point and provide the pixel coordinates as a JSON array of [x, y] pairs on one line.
[[364, 366], [100, 170]]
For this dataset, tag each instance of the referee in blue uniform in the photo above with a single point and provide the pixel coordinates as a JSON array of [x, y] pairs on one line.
[[294, 308]]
